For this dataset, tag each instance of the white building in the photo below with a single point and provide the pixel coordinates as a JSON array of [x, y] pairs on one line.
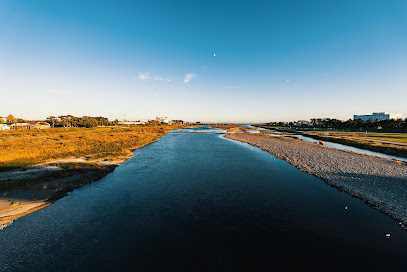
[[138, 122], [4, 127], [378, 116], [163, 119], [303, 123]]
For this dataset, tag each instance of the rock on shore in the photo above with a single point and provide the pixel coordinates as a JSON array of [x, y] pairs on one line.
[[379, 182]]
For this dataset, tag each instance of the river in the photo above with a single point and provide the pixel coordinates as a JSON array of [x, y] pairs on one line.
[[201, 202]]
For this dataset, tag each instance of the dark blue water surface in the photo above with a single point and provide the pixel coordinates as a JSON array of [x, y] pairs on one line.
[[201, 202]]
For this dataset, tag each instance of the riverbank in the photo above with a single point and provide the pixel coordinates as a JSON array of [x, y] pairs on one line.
[[387, 147], [33, 188], [27, 189], [379, 182]]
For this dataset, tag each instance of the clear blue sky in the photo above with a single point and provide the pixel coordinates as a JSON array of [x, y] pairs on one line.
[[221, 61]]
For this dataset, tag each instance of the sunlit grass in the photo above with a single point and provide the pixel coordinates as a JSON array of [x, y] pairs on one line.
[[395, 137], [29, 147], [391, 149]]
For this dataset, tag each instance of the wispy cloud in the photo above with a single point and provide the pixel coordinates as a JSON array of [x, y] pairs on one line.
[[144, 76], [189, 77], [148, 76]]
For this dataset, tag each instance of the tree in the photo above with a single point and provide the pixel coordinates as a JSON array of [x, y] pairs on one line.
[[51, 120], [11, 119]]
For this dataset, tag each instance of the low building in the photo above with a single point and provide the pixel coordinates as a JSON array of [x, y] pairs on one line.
[[129, 123], [163, 119], [42, 125], [4, 127], [18, 126], [142, 121], [3, 120], [180, 122], [378, 116]]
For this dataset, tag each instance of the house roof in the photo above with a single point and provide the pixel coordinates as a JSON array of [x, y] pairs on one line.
[[21, 124]]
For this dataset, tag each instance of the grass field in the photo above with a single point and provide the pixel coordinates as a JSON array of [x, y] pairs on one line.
[[394, 137], [335, 136], [390, 149], [29, 147]]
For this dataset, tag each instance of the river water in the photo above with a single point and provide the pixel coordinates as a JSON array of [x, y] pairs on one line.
[[201, 202]]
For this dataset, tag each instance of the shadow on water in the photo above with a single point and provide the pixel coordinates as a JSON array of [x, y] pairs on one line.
[[200, 202], [385, 193]]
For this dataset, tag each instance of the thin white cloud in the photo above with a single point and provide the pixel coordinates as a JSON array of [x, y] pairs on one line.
[[170, 79], [148, 76], [189, 77], [144, 76]]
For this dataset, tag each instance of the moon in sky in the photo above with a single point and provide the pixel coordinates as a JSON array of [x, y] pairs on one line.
[[214, 55]]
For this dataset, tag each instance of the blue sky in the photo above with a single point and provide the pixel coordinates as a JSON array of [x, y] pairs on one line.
[[220, 61]]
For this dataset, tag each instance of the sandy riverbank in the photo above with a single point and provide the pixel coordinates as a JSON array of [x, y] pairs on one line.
[[48, 182], [45, 184], [379, 182]]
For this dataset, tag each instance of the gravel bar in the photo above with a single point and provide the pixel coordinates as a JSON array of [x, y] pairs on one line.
[[379, 182]]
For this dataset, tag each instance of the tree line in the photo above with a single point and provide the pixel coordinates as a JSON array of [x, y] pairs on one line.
[[69, 121], [73, 121], [359, 124]]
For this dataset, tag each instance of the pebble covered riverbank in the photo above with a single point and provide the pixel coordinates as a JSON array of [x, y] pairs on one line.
[[379, 182]]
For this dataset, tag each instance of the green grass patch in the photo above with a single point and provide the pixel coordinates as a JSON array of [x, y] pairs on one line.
[[389, 149]]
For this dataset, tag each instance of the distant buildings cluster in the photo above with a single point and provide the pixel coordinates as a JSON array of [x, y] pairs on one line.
[[11, 123], [376, 120], [378, 116], [25, 125], [158, 120]]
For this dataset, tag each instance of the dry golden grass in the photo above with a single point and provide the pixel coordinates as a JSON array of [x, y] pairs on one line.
[[24, 148]]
